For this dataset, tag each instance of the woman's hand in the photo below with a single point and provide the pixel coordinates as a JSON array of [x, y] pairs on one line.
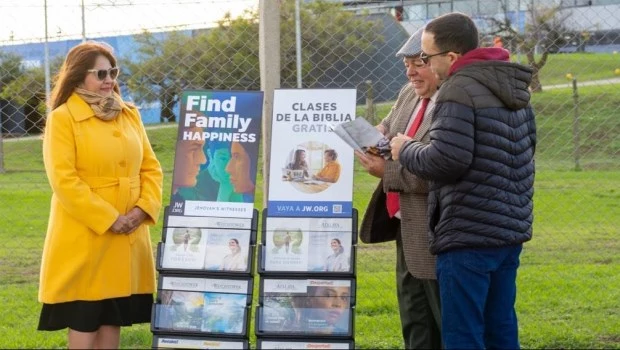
[[136, 217], [126, 224], [121, 225]]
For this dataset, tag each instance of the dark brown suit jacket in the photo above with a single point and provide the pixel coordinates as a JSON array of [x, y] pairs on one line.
[[376, 225]]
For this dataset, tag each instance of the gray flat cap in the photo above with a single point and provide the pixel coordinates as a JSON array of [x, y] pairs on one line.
[[413, 46]]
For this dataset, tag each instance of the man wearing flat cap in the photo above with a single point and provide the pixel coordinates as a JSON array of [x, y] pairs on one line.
[[398, 207]]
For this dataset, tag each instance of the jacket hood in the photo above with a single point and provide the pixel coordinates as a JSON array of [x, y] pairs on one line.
[[491, 67]]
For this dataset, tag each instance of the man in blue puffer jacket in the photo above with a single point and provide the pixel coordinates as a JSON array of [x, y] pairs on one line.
[[480, 161]]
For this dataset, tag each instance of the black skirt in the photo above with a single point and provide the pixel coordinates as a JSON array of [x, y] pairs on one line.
[[88, 316]]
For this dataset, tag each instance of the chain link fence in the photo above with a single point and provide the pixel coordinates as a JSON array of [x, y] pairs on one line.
[[569, 279]]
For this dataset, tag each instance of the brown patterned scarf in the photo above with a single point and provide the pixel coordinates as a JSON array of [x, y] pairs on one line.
[[105, 107]]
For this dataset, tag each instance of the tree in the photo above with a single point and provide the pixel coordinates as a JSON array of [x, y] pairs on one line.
[[226, 57], [329, 36], [10, 68], [158, 73], [544, 31], [28, 91]]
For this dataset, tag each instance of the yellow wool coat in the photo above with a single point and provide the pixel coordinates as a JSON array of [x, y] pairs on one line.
[[97, 170]]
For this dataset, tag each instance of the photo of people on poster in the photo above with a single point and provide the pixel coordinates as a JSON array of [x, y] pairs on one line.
[[311, 167]]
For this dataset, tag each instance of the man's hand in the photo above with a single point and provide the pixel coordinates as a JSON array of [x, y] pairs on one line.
[[397, 143], [374, 165]]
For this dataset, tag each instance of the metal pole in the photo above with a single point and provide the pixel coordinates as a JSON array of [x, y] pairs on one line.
[[298, 42], [518, 30], [269, 62], [83, 23], [576, 150], [46, 62], [1, 145]]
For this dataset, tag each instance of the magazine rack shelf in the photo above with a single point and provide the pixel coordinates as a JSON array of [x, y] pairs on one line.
[[205, 284], [307, 289], [308, 246], [196, 305]]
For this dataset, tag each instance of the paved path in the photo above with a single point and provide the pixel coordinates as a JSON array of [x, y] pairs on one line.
[[584, 83]]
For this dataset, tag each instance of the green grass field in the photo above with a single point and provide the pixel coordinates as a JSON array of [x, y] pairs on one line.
[[568, 283], [582, 66]]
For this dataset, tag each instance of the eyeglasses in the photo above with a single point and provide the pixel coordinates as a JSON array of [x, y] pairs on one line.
[[101, 74], [425, 58]]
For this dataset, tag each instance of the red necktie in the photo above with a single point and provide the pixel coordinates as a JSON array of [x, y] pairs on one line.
[[392, 198]]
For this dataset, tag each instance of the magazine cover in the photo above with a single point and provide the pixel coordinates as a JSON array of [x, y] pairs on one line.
[[185, 248], [216, 153], [202, 305], [239, 285], [177, 220], [188, 342], [306, 306], [304, 344], [311, 168], [227, 250], [207, 249]]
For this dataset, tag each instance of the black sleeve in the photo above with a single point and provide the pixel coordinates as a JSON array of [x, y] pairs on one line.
[[450, 151]]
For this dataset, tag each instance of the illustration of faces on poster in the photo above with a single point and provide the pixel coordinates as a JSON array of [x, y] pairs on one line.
[[307, 244], [216, 153], [311, 167], [306, 306], [227, 250]]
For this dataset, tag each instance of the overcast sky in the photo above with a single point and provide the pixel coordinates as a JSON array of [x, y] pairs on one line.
[[24, 20]]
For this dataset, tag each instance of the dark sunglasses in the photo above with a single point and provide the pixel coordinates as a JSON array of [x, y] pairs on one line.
[[103, 73], [425, 58]]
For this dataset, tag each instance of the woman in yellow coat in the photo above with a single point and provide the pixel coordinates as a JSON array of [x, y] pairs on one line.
[[97, 271]]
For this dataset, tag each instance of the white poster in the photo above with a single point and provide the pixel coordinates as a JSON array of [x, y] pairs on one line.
[[311, 168]]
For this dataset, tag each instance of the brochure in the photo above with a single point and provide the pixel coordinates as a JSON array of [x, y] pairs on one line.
[[308, 244], [306, 306], [206, 249], [363, 137], [189, 342], [304, 344], [202, 305]]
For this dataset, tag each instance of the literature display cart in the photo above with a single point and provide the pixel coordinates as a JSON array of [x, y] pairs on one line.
[[307, 251], [205, 284], [307, 284], [205, 258]]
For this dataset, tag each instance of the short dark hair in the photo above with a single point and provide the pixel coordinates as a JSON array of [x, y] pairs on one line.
[[454, 32], [332, 153]]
